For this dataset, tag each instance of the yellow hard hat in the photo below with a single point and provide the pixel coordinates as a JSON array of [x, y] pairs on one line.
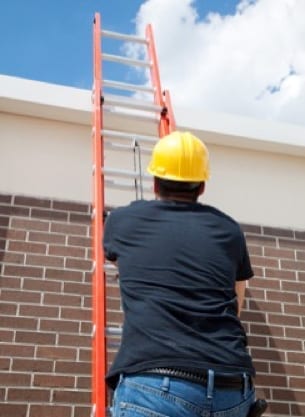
[[180, 156]]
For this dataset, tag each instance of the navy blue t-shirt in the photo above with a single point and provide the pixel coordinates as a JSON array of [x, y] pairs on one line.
[[178, 263]]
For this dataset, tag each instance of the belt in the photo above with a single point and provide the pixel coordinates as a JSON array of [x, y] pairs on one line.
[[223, 381]]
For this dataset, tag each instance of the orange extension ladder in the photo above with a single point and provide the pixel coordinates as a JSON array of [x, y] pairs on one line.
[[160, 110]]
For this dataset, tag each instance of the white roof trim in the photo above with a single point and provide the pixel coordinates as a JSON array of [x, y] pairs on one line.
[[68, 104]]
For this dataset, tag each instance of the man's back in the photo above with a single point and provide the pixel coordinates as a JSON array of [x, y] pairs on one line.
[[178, 264]]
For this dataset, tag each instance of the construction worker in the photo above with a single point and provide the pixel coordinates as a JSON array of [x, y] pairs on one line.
[[183, 268]]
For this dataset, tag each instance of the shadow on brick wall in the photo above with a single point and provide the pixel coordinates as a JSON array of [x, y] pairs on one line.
[[268, 347]]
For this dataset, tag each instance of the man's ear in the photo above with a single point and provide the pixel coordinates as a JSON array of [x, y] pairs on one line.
[[156, 186], [201, 188]]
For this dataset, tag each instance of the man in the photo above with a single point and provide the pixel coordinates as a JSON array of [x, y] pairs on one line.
[[182, 267]]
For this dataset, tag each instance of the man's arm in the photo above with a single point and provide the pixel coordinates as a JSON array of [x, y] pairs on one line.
[[240, 288]]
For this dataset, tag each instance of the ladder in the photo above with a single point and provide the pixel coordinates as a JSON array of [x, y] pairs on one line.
[[133, 111]]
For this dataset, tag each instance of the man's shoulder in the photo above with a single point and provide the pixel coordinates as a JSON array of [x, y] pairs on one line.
[[223, 216]]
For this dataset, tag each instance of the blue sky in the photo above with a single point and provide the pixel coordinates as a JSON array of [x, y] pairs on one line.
[[51, 40]]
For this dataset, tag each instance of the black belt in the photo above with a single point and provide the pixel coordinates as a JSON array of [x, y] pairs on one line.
[[220, 381]]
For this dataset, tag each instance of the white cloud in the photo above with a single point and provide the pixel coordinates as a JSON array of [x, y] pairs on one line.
[[250, 63]]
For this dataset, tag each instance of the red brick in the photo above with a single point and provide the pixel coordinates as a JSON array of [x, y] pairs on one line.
[[271, 380], [255, 250], [29, 224], [247, 228], [29, 395], [298, 310], [58, 326], [36, 338], [49, 214], [32, 365], [13, 410], [56, 352], [280, 274], [4, 221], [63, 275], [261, 240], [261, 366], [71, 206], [69, 229], [301, 255], [47, 380], [23, 271], [82, 411], [79, 241], [279, 253], [10, 282], [295, 333], [300, 234], [287, 369], [30, 201], [45, 260], [294, 265], [296, 357], [283, 297], [284, 320], [14, 211], [296, 409], [273, 284], [279, 409], [12, 257], [264, 329], [41, 285], [13, 322], [268, 355], [80, 218], [12, 350], [5, 198], [20, 296], [276, 231], [76, 288], [27, 247], [74, 340], [8, 308], [266, 306], [296, 287], [10, 379], [62, 300], [288, 395], [82, 264], [47, 237], [264, 261], [85, 355], [74, 368], [72, 397], [292, 244], [5, 364], [285, 344], [297, 383], [76, 313], [39, 311], [84, 382], [13, 234], [72, 251], [6, 335], [257, 341], [49, 411]]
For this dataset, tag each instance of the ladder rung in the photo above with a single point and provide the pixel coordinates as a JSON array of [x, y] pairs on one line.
[[114, 331], [125, 86], [110, 269], [132, 115], [123, 37], [128, 136], [129, 103], [124, 148], [126, 61], [124, 186], [125, 173]]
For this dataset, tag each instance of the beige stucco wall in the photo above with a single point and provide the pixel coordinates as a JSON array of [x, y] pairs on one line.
[[45, 151]]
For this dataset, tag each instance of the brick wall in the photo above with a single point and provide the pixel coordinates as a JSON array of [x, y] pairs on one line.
[[45, 311]]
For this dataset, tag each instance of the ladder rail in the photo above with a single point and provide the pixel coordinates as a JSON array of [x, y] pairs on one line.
[[99, 392], [161, 105]]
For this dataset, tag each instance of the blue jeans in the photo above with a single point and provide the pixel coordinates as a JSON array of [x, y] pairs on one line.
[[161, 396]]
